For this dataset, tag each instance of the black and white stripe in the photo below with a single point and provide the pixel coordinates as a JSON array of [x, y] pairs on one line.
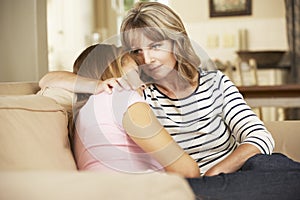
[[211, 123]]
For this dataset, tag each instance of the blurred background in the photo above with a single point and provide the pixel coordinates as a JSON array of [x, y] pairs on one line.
[[254, 42]]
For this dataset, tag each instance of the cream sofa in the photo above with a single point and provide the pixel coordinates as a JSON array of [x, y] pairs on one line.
[[36, 160]]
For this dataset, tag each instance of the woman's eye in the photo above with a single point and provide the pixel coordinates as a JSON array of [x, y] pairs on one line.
[[155, 46]]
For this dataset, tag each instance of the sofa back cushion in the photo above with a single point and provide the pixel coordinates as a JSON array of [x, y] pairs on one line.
[[18, 88], [61, 96], [34, 134]]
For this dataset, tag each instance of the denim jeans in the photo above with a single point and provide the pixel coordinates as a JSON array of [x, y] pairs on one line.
[[265, 177]]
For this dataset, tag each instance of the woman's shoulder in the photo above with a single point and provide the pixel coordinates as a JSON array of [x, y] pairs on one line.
[[211, 76], [210, 73]]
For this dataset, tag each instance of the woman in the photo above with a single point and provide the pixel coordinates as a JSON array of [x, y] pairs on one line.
[[213, 124], [112, 132], [204, 112]]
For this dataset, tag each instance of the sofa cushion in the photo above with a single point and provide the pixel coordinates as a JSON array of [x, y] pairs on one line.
[[61, 96], [287, 136], [92, 186], [34, 134]]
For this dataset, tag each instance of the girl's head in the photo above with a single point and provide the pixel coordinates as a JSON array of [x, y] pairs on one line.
[[100, 61], [157, 22], [78, 62]]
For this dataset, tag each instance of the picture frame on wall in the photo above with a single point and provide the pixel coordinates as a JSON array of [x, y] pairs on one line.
[[227, 8]]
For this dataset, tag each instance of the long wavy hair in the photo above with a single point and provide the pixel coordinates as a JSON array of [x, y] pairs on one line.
[[158, 22]]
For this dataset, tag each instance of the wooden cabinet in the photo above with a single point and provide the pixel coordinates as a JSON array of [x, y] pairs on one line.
[[278, 96]]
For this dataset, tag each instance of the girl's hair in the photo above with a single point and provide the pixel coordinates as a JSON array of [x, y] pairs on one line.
[[79, 60], [100, 61], [158, 22]]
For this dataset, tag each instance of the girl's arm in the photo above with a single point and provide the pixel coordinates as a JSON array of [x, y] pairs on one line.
[[145, 130], [75, 83]]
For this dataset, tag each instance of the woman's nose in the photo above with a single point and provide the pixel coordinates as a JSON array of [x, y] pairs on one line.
[[147, 56]]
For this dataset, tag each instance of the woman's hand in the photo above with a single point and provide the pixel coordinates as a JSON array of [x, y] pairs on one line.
[[129, 81], [213, 171], [234, 161], [116, 83]]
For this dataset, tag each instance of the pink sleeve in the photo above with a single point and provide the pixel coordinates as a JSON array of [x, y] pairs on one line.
[[135, 97], [122, 100]]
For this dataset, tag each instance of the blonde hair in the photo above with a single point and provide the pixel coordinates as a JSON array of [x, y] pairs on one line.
[[101, 62], [158, 22]]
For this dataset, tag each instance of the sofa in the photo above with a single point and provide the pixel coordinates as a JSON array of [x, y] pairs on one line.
[[36, 160]]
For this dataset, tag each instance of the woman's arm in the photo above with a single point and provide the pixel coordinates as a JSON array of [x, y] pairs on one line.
[[145, 130], [75, 83], [246, 127], [234, 161]]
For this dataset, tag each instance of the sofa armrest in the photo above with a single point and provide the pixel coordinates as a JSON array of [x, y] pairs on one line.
[[34, 134], [287, 137]]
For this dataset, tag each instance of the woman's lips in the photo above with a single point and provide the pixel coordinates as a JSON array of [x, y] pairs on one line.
[[152, 68]]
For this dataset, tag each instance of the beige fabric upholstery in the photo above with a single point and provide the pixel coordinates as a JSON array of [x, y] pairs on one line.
[[287, 137], [18, 88], [61, 96], [92, 186], [33, 134]]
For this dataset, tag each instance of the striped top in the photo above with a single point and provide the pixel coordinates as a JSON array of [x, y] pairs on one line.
[[210, 123]]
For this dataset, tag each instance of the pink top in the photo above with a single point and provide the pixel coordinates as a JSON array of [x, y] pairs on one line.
[[101, 143]]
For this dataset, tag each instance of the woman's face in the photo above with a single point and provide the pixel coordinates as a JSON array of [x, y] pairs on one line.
[[156, 59]]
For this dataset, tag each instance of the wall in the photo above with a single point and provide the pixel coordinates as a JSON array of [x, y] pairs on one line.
[[23, 36], [266, 27], [75, 24], [106, 19], [23, 50], [70, 30]]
